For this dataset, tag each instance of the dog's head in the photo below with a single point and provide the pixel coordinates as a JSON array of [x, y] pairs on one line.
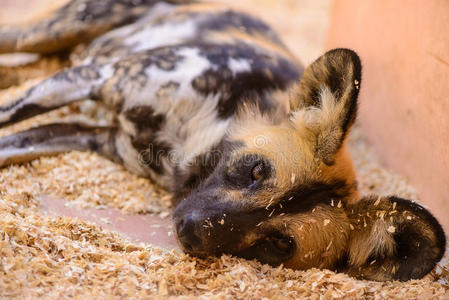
[[285, 193]]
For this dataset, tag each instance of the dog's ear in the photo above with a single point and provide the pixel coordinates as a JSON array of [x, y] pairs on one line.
[[325, 101], [392, 239]]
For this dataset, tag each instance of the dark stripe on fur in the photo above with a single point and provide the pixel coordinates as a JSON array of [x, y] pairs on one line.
[[250, 85], [147, 125]]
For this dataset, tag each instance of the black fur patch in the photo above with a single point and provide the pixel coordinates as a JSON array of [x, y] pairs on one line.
[[237, 174], [238, 20], [352, 110], [200, 169], [147, 124], [165, 58], [266, 73], [26, 111], [415, 251], [266, 252]]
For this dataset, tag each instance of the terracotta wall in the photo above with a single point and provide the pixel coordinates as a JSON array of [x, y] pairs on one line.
[[404, 46]]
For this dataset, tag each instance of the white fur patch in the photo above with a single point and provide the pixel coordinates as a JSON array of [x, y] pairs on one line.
[[239, 65], [165, 34], [191, 66], [201, 132], [106, 71], [150, 34], [192, 125], [130, 157]]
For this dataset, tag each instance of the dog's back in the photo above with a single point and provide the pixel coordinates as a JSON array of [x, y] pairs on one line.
[[175, 77]]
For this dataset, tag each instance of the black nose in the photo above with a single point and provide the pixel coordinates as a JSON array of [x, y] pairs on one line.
[[185, 228]]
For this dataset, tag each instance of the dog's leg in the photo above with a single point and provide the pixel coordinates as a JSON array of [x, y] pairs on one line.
[[65, 87], [79, 21], [57, 138]]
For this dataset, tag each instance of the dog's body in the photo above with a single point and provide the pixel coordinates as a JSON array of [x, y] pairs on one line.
[[207, 106], [175, 79]]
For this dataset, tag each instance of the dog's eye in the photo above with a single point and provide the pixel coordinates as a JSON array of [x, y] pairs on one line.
[[258, 172], [282, 243]]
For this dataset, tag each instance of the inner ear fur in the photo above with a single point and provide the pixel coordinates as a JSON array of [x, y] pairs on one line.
[[392, 239], [324, 103]]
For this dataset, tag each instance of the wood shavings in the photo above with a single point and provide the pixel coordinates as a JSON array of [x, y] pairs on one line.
[[86, 180], [391, 229], [269, 203], [208, 224], [164, 214], [66, 257], [377, 201]]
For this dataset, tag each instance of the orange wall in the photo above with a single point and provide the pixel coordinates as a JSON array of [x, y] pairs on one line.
[[404, 47]]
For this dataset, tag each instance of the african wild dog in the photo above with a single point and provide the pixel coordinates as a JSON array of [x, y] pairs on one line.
[[257, 163]]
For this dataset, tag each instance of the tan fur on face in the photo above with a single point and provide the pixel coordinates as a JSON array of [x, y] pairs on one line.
[[293, 157], [288, 154], [321, 236]]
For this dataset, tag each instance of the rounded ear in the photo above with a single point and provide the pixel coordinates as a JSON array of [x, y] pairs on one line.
[[325, 101], [392, 239]]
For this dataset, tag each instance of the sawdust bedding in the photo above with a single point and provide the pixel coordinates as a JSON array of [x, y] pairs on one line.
[[44, 256], [60, 257], [55, 257]]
